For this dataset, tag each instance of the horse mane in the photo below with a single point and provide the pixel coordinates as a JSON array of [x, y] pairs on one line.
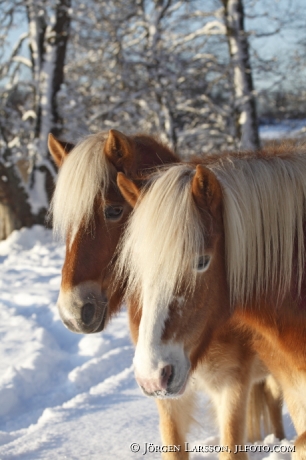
[[264, 196], [84, 174]]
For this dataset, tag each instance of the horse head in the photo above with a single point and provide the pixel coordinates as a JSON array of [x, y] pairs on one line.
[[89, 212], [173, 257]]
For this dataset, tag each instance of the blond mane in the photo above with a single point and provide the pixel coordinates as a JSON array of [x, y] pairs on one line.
[[264, 213], [264, 200], [84, 174]]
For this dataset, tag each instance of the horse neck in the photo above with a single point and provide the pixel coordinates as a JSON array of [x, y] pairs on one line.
[[151, 153]]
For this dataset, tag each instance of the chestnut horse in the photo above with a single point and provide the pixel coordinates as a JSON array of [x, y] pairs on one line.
[[211, 249], [90, 212]]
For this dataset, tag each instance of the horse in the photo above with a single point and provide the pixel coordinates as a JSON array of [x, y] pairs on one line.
[[90, 212], [214, 247]]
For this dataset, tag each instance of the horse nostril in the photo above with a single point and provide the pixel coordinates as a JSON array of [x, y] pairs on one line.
[[88, 313], [166, 376]]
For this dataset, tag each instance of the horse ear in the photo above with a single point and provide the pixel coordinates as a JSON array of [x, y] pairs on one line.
[[58, 149], [206, 189], [128, 189], [118, 148]]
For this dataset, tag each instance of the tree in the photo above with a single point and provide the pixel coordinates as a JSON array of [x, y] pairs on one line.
[[244, 99], [30, 110], [150, 66], [276, 33]]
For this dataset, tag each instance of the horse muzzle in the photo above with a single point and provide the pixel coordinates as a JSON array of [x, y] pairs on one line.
[[83, 308], [164, 385], [163, 372]]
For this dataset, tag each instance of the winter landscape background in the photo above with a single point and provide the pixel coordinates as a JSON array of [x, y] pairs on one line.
[[200, 75]]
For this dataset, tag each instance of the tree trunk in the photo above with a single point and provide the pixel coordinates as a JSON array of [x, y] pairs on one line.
[[52, 45], [15, 210], [245, 106], [24, 201]]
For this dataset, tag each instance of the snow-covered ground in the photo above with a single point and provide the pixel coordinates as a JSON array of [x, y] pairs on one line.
[[70, 396], [283, 129]]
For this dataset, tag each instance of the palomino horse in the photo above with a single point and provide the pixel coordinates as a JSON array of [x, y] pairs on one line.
[[211, 249], [90, 212]]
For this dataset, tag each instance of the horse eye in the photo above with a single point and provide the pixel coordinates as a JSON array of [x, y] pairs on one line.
[[203, 263], [112, 212]]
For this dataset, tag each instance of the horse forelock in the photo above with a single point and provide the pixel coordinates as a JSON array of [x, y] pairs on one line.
[[84, 174], [157, 259]]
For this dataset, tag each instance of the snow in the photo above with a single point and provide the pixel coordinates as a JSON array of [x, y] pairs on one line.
[[284, 129], [70, 396]]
